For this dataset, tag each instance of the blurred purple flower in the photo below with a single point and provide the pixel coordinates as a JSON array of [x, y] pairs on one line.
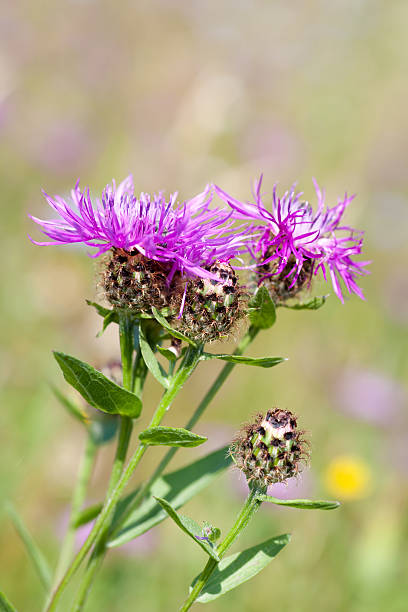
[[298, 236], [370, 396], [189, 236]]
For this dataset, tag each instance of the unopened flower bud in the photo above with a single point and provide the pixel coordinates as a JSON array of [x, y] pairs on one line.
[[212, 307], [271, 449]]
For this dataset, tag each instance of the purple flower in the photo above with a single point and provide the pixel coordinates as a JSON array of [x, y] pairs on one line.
[[188, 236], [298, 237], [370, 396]]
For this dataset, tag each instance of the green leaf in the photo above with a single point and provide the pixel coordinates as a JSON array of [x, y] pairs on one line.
[[304, 504], [97, 389], [87, 515], [170, 436], [236, 569], [71, 406], [150, 360], [313, 304], [173, 332], [261, 362], [39, 561], [5, 605], [111, 317], [261, 309], [178, 488], [189, 526], [167, 353], [101, 310]]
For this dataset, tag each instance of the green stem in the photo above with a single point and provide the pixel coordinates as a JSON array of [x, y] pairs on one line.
[[126, 335], [139, 373], [126, 325], [248, 510], [78, 499], [126, 328], [207, 399], [185, 370], [96, 559]]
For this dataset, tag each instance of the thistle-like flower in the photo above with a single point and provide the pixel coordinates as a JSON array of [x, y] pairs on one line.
[[157, 248], [271, 449], [297, 242]]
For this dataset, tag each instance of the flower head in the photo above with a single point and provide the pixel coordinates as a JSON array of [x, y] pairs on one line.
[[270, 449], [300, 242], [185, 237]]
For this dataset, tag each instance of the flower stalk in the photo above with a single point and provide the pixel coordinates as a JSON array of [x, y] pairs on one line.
[[249, 336], [250, 507], [185, 370]]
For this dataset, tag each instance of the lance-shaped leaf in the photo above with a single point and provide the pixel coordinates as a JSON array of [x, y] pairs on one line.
[[87, 515], [313, 304], [303, 504], [261, 309], [5, 605], [101, 427], [109, 315], [101, 310], [236, 569], [178, 488], [260, 362], [173, 332], [39, 561], [97, 389], [190, 527], [170, 436], [150, 359]]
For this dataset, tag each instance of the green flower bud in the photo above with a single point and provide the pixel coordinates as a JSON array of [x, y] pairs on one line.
[[271, 449], [212, 307]]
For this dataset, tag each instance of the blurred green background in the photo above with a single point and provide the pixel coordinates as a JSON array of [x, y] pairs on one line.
[[181, 93]]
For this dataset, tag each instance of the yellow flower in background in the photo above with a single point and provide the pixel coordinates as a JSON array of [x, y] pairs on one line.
[[348, 477]]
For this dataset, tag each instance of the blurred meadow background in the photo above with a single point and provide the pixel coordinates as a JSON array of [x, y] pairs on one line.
[[181, 93]]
